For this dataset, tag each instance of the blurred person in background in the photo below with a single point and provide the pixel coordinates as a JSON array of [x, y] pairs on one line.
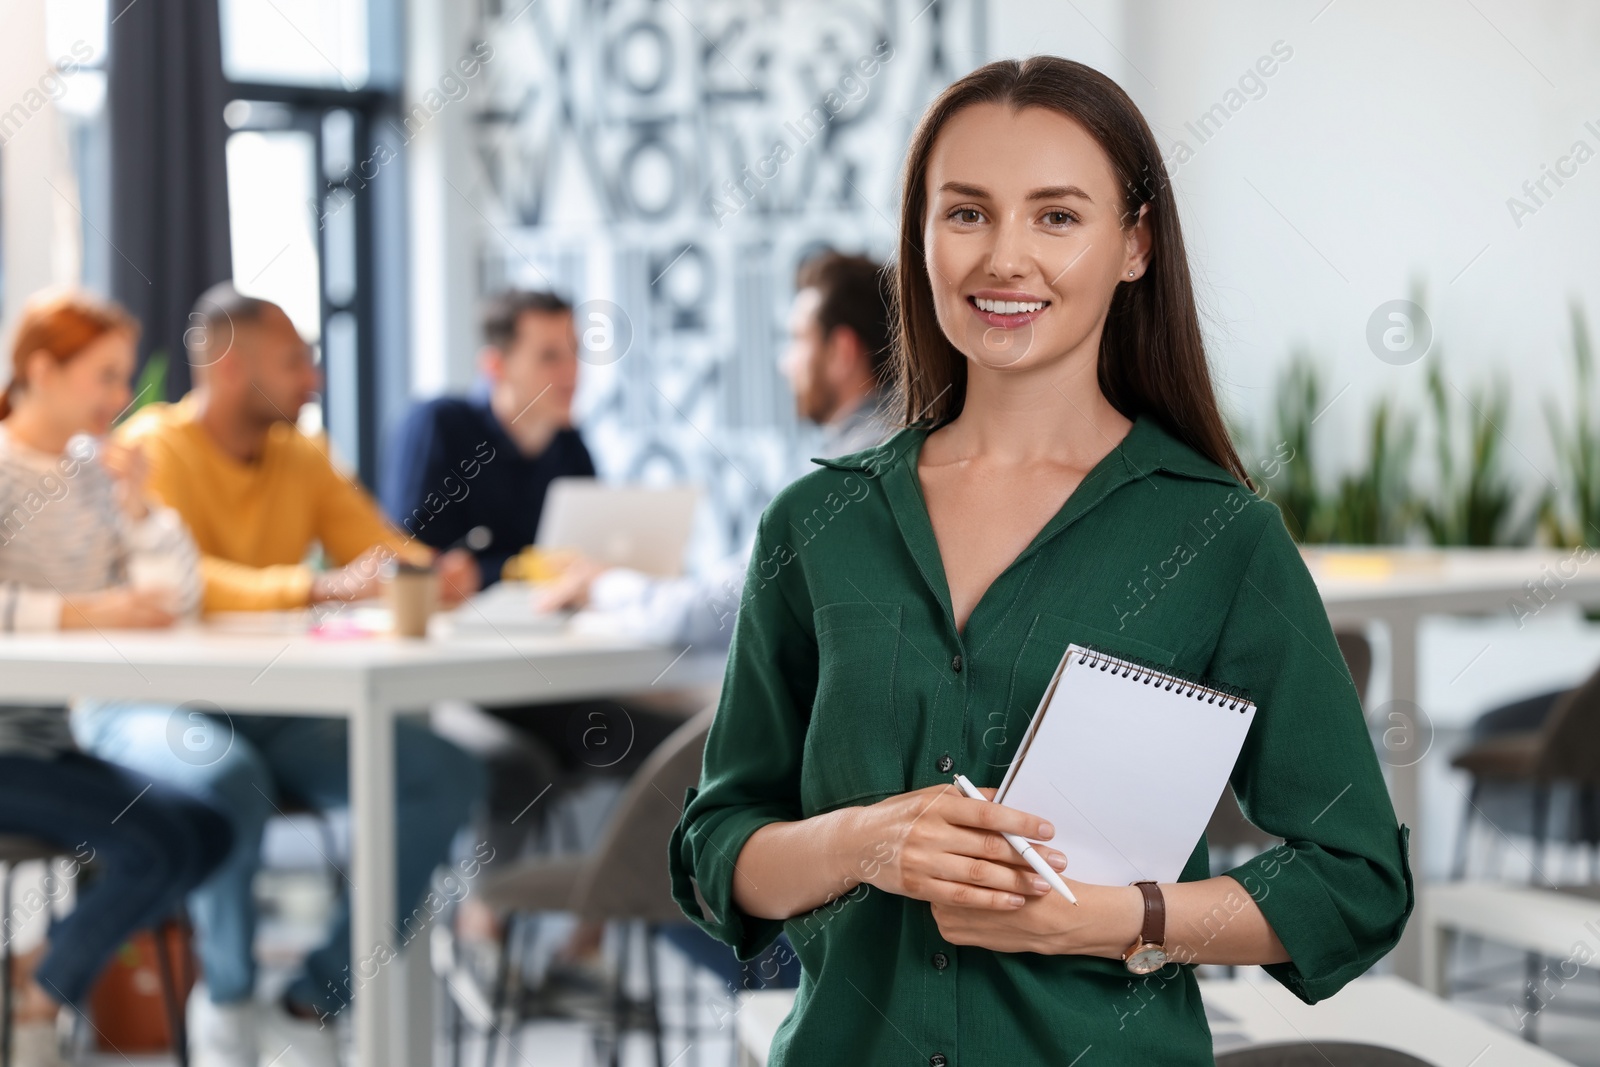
[[838, 350], [258, 495], [470, 474], [836, 363], [459, 463], [82, 546]]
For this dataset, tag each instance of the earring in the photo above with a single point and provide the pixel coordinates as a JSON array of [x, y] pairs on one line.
[[1130, 274]]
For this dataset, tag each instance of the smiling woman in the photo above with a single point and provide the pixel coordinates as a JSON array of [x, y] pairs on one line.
[[1060, 433], [1115, 257]]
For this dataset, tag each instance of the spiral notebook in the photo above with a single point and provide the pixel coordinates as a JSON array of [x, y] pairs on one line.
[[1128, 762]]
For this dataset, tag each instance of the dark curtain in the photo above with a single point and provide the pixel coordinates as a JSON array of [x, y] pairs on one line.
[[169, 188]]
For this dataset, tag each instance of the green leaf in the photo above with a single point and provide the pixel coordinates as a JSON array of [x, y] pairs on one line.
[[151, 384]]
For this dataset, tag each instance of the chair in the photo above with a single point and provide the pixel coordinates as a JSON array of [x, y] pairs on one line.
[[15, 849], [1357, 653], [1513, 790], [1229, 831], [523, 768], [1524, 752], [1319, 1054], [611, 883]]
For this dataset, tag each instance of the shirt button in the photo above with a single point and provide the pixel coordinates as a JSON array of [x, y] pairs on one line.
[[940, 961], [937, 1060], [955, 664], [945, 763]]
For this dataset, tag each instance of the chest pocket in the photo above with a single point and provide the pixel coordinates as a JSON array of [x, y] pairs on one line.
[[852, 748], [1037, 659]]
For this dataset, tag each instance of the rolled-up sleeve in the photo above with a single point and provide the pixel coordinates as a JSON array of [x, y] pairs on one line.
[[750, 775], [1339, 890]]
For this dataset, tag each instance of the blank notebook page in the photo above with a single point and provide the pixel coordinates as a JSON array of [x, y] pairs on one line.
[[1128, 764]]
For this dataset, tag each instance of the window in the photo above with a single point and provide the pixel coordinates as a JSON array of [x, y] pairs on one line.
[[310, 88], [271, 183], [296, 42], [76, 35]]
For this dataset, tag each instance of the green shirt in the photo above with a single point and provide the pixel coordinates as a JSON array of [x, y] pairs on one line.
[[847, 682]]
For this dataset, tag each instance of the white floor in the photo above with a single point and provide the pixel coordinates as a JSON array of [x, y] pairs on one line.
[[566, 1044]]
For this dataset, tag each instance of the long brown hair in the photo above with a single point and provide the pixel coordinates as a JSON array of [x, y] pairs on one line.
[[1152, 356], [61, 325]]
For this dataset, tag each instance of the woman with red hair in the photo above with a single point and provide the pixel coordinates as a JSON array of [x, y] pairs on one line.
[[81, 547]]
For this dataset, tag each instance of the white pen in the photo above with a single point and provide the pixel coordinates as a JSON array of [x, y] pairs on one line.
[[1023, 846]]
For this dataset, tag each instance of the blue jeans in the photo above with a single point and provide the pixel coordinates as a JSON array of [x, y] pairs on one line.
[[149, 843], [252, 764]]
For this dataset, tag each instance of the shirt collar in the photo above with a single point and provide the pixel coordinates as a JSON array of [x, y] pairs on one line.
[[1146, 449]]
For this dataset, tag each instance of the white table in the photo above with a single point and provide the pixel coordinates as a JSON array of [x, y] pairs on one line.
[[1256, 1010], [1380, 1011], [368, 681], [1564, 926], [1397, 587]]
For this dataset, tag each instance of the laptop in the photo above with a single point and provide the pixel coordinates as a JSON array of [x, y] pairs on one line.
[[619, 525]]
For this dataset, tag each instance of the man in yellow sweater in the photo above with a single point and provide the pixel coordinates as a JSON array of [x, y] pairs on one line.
[[258, 494]]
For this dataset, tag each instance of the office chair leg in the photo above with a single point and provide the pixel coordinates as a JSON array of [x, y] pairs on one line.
[[456, 1030], [691, 1018], [1531, 1003], [5, 967], [502, 987], [330, 869], [1541, 830], [652, 969], [619, 997], [734, 1058], [1588, 833], [1464, 835], [1534, 961], [169, 994]]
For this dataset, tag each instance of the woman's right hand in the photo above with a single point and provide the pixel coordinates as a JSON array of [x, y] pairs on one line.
[[121, 607], [131, 471], [936, 844]]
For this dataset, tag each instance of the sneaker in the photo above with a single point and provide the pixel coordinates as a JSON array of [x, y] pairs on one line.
[[287, 1040], [36, 1044], [222, 1035]]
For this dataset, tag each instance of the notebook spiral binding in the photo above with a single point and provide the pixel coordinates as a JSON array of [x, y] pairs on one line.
[[1230, 697]]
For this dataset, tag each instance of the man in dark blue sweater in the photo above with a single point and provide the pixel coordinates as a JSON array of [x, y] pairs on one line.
[[459, 463]]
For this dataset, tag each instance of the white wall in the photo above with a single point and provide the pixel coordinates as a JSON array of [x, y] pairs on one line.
[[1382, 152], [1390, 140], [440, 175], [1090, 31], [40, 223]]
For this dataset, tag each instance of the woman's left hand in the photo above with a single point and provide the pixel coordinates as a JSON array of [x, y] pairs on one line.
[[1104, 922]]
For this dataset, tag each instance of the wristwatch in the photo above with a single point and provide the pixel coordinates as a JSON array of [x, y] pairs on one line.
[[1148, 952]]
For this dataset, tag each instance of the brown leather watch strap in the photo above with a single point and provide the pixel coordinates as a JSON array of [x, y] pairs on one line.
[[1154, 931]]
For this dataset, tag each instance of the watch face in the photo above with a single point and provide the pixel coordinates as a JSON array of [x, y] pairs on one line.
[[1146, 960]]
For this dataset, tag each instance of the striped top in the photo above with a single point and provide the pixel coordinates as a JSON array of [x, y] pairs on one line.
[[62, 533]]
